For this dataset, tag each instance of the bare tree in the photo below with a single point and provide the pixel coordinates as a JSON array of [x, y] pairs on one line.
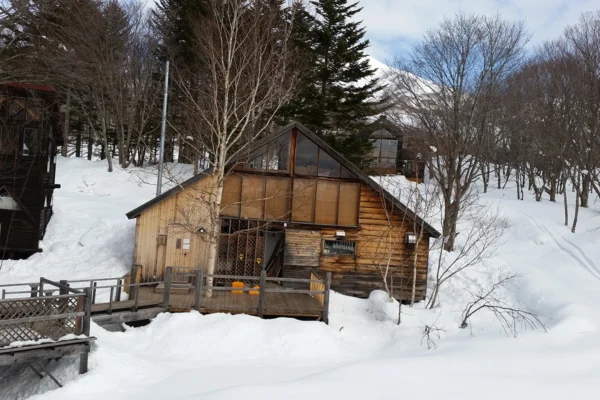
[[511, 318], [479, 240], [447, 95], [247, 69], [583, 47]]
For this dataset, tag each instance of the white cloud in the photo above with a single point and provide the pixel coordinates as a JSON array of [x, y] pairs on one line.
[[393, 25]]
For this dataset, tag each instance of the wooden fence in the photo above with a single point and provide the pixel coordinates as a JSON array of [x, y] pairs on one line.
[[43, 317]]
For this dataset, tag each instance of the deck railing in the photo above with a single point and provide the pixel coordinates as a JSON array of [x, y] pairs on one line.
[[316, 287], [43, 317]]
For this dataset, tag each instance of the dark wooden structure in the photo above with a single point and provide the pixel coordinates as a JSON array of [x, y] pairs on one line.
[[291, 207], [392, 151], [30, 132]]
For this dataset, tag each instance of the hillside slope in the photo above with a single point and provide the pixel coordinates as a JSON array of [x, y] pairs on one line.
[[362, 353]]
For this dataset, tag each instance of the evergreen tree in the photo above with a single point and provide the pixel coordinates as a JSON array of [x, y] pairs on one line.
[[340, 87], [174, 20]]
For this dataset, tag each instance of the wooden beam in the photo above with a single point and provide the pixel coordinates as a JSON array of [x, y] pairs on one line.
[[167, 292], [261, 293]]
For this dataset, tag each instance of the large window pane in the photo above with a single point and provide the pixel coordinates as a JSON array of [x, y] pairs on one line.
[[349, 201], [279, 150], [327, 201], [328, 166], [277, 199], [303, 204], [306, 156], [347, 174], [253, 197], [232, 191], [258, 160]]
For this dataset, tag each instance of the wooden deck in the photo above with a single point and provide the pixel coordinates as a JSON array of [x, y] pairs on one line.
[[276, 304]]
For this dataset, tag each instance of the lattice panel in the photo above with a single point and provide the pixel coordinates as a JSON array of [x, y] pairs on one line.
[[53, 327]]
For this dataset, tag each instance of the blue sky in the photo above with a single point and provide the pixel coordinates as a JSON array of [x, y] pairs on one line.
[[393, 26]]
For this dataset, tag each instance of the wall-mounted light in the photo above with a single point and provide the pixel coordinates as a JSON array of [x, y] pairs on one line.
[[202, 230]]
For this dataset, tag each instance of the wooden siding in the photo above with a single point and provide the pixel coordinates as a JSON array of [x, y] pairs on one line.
[[178, 217], [302, 248], [378, 241]]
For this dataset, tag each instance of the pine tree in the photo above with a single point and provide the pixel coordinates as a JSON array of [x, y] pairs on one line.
[[174, 20], [340, 87]]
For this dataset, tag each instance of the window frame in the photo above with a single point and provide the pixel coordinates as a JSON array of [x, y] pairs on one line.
[[325, 240]]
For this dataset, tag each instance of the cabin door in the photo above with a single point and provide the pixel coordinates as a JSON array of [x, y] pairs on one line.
[[241, 248]]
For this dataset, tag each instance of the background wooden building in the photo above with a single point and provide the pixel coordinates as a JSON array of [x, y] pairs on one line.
[[292, 206], [392, 151], [29, 136]]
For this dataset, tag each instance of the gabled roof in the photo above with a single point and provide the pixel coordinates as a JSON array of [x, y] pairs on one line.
[[321, 143]]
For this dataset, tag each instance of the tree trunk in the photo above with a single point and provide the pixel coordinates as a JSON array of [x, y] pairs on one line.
[[64, 151], [106, 149], [485, 174], [585, 190], [577, 202], [449, 224], [90, 145], [566, 205], [78, 145], [215, 230], [553, 185]]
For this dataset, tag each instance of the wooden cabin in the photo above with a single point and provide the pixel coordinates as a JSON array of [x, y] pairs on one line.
[[392, 151], [29, 135], [291, 206]]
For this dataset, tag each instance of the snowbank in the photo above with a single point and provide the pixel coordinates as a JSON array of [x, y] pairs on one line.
[[361, 353]]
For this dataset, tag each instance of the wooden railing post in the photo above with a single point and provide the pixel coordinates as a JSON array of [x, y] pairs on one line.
[[261, 293], [199, 288], [85, 327], [63, 289], [118, 292], [94, 285], [167, 292], [326, 298], [133, 279]]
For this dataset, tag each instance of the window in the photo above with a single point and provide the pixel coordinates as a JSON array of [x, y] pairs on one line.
[[327, 202], [278, 151], [30, 142], [303, 204], [278, 191], [253, 197], [411, 238], [7, 202], [384, 153], [232, 192], [274, 156], [259, 161], [339, 247], [307, 153], [328, 166], [349, 202]]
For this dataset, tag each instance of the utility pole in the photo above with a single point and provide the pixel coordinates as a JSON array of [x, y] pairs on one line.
[[163, 129]]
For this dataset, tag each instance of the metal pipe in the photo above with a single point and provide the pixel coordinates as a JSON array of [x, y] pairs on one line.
[[163, 129]]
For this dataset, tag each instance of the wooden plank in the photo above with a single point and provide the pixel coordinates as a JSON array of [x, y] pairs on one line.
[[122, 305], [128, 316]]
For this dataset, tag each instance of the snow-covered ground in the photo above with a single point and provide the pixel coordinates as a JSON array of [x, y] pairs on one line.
[[361, 354]]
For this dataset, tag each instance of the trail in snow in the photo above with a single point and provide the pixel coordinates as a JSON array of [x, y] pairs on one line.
[[589, 265]]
